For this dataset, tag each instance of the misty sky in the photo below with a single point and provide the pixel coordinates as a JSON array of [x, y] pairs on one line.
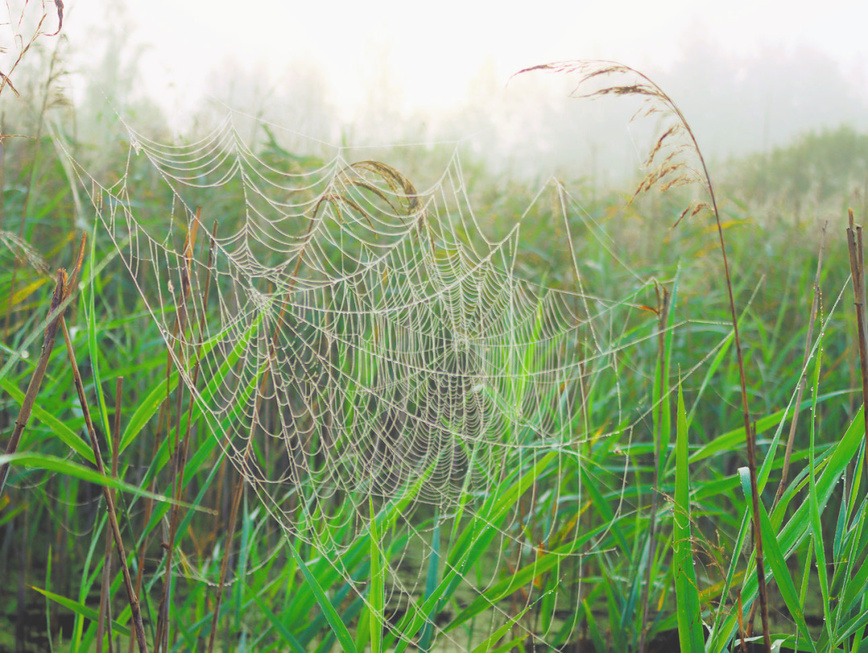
[[748, 74], [434, 49]]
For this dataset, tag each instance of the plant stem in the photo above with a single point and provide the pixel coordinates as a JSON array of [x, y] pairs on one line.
[[815, 302], [38, 374], [857, 274], [107, 493], [662, 321]]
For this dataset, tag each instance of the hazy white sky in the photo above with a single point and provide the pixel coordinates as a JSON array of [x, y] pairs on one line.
[[434, 49]]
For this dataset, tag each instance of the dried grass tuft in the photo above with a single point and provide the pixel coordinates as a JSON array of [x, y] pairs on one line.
[[675, 158]]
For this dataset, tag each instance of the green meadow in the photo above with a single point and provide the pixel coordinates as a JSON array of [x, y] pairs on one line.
[[255, 399]]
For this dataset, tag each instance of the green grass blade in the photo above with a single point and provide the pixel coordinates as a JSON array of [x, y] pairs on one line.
[[377, 595], [69, 437], [731, 440], [488, 646], [151, 404], [331, 615], [688, 608], [427, 636], [69, 468], [82, 610], [522, 577], [88, 301], [798, 527], [146, 409], [776, 562], [470, 545], [816, 524], [274, 620]]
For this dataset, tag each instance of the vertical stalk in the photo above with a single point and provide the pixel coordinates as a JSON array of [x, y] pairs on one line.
[[857, 274], [799, 393], [662, 321], [38, 374], [104, 622], [267, 371], [107, 493], [749, 429], [648, 89], [815, 303], [182, 444], [224, 565]]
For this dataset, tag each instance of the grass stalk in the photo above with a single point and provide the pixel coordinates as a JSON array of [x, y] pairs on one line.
[[224, 564], [109, 498], [758, 545], [62, 294], [162, 639], [665, 176], [662, 405], [182, 443], [749, 425], [162, 424], [26, 409], [815, 304], [105, 598], [239, 487], [857, 275], [149, 508]]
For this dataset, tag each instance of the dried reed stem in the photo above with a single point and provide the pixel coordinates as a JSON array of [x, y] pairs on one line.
[[749, 426], [815, 306], [815, 303], [857, 274], [667, 173], [105, 615], [26, 409], [224, 564], [239, 487], [236, 498], [761, 577], [182, 444], [107, 493]]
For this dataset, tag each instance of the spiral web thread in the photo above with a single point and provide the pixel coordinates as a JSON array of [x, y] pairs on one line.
[[361, 342]]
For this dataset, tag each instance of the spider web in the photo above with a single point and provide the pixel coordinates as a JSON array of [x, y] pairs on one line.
[[356, 344]]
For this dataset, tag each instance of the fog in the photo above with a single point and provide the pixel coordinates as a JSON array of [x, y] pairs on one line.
[[740, 95]]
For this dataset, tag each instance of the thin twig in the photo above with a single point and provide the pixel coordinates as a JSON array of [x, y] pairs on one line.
[[815, 303], [224, 565], [181, 444], [38, 374], [28, 193], [104, 622], [109, 499], [182, 449]]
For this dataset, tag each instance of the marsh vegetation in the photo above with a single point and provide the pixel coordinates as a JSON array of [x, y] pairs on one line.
[[319, 401]]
